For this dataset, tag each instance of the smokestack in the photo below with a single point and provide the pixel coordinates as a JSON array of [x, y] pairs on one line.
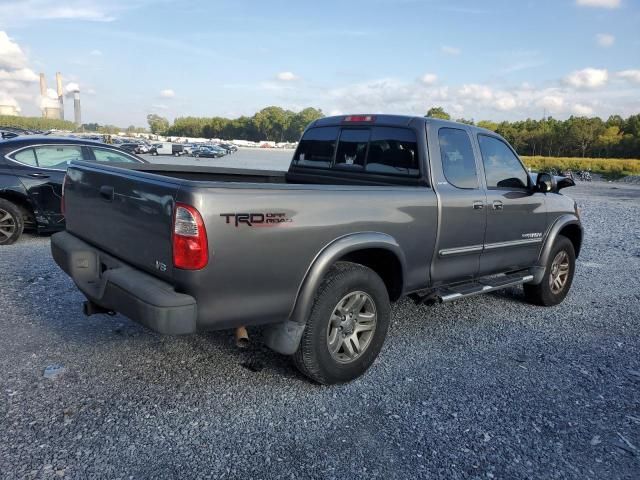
[[43, 90], [76, 109], [60, 94]]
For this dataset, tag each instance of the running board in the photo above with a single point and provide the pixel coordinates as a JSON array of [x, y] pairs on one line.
[[481, 285]]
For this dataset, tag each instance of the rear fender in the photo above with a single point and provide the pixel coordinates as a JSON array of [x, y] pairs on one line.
[[285, 337]]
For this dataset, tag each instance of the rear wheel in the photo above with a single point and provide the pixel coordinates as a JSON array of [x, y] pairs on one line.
[[347, 326], [11, 222], [558, 275]]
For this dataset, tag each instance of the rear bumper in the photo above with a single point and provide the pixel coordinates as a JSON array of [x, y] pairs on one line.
[[117, 286]]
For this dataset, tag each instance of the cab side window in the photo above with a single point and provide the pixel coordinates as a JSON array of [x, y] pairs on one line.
[[458, 161], [501, 166]]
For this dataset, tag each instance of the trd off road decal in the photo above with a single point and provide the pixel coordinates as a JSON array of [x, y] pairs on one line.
[[256, 219]]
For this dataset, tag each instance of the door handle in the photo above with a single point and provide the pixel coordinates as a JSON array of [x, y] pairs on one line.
[[106, 192], [497, 205], [38, 175], [478, 205]]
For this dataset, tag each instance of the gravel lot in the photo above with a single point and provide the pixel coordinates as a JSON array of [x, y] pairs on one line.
[[487, 387]]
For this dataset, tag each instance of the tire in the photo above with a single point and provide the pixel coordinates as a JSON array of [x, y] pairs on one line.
[[344, 283], [11, 222], [547, 293]]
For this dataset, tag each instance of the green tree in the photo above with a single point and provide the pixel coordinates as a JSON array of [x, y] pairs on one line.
[[438, 112], [157, 124]]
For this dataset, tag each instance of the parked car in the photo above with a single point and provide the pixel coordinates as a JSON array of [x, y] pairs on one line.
[[372, 208], [168, 148], [32, 169], [209, 151], [228, 147], [130, 147]]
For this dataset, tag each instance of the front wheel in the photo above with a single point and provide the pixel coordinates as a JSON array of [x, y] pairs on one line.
[[347, 326], [558, 275], [11, 222]]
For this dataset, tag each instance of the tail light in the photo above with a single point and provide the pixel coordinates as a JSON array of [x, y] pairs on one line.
[[62, 206], [190, 247]]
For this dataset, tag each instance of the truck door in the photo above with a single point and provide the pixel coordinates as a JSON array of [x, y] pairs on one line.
[[516, 214], [462, 205]]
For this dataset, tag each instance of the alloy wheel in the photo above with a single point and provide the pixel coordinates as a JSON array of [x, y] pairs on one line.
[[559, 272], [352, 325], [7, 225]]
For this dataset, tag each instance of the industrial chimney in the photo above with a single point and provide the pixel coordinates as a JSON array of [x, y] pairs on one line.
[[77, 118], [60, 94]]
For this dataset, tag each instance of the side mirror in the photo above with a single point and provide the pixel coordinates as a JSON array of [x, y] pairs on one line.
[[546, 183]]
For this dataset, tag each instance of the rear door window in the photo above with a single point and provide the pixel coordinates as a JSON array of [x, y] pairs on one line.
[[27, 156], [57, 156], [458, 161], [317, 147], [352, 149], [393, 151]]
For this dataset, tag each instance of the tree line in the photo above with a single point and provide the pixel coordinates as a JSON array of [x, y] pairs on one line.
[[616, 137], [593, 137], [271, 123]]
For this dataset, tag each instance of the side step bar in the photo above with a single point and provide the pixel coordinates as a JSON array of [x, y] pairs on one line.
[[475, 287]]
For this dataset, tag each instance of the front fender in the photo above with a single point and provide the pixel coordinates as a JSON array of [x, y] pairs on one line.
[[285, 337], [555, 229]]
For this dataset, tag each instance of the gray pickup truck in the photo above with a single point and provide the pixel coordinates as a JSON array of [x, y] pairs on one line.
[[372, 208]]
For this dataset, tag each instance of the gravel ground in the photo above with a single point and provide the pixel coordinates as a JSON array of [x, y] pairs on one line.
[[487, 387]]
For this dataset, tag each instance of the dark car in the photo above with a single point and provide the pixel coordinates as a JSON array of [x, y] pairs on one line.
[[130, 147], [208, 151], [31, 172]]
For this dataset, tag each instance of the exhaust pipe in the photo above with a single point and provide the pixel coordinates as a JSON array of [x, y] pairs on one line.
[[242, 337], [89, 308]]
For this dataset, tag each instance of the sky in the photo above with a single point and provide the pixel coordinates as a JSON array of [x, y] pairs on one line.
[[491, 59]]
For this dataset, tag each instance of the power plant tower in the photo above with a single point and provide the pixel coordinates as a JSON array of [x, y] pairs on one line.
[[77, 118], [60, 94], [48, 103], [43, 86]]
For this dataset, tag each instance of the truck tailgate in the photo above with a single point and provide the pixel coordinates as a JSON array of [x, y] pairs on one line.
[[126, 213]]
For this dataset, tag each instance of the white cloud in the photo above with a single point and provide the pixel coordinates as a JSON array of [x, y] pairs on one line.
[[506, 101], [580, 109], [24, 11], [95, 53], [167, 93], [449, 50], [598, 3], [587, 78], [474, 91], [605, 40], [429, 79], [554, 103], [71, 88], [11, 55], [287, 77], [159, 106], [630, 75], [21, 75]]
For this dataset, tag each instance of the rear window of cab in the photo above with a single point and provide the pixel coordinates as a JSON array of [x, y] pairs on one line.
[[376, 150]]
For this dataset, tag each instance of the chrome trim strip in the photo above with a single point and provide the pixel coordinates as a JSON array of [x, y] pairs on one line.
[[512, 243], [445, 252]]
